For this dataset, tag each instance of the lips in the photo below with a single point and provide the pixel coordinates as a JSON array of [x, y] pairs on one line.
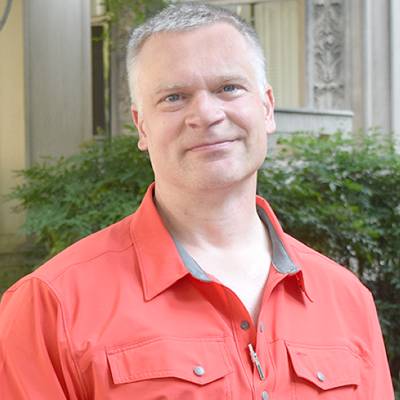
[[211, 145]]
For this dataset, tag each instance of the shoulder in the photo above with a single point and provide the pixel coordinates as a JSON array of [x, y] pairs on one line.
[[88, 259], [325, 275]]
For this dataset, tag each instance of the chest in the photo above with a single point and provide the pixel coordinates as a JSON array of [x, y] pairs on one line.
[[191, 342]]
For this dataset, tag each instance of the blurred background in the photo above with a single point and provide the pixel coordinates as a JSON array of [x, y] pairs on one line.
[[334, 66]]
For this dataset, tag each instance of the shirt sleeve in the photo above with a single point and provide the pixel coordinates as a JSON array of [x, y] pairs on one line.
[[379, 379], [35, 355]]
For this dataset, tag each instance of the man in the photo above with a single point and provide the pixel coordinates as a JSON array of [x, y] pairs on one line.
[[199, 294]]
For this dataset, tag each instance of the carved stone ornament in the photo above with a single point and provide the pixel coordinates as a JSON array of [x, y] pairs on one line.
[[328, 51]]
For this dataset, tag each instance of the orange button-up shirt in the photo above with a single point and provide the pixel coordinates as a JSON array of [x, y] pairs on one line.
[[126, 313]]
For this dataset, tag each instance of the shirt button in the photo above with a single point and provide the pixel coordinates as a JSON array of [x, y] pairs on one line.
[[199, 370], [262, 327], [245, 325], [264, 395], [321, 377]]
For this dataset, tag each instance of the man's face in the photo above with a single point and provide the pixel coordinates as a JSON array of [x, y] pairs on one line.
[[199, 111]]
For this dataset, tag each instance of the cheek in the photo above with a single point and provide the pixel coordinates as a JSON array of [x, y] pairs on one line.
[[249, 114], [162, 142], [165, 126]]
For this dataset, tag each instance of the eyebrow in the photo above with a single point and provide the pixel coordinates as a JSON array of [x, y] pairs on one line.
[[220, 79], [168, 88]]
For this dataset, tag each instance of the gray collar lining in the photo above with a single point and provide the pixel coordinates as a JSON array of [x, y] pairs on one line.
[[280, 258], [191, 264]]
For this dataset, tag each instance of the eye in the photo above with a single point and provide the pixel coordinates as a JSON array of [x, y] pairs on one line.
[[172, 98], [229, 88]]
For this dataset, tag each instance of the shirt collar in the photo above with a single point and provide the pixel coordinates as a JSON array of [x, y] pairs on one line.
[[158, 258], [284, 258], [163, 261]]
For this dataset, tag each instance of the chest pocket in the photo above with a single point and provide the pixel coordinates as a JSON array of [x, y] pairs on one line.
[[329, 373], [171, 368]]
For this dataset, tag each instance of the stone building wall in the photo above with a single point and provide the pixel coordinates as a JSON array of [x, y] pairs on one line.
[[348, 67]]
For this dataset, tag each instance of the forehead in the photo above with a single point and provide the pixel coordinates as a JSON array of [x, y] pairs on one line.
[[214, 32], [213, 49]]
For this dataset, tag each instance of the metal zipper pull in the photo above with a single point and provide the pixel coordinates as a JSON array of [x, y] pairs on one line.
[[256, 362]]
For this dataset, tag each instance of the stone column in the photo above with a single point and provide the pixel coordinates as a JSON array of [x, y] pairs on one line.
[[13, 140], [395, 69], [326, 37], [58, 76]]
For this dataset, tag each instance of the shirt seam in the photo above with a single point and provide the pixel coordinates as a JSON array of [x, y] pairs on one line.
[[146, 341], [167, 371], [69, 266], [137, 248], [67, 335], [345, 347]]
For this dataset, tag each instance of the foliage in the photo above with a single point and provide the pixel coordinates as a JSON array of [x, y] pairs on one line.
[[67, 199], [338, 195], [341, 196], [140, 9]]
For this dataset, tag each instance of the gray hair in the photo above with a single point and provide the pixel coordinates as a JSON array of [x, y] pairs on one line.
[[187, 16]]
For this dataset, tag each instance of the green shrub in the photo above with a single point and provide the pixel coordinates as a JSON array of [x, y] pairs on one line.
[[341, 196], [69, 198], [337, 195]]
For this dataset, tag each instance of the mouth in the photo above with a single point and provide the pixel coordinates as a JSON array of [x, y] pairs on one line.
[[219, 145]]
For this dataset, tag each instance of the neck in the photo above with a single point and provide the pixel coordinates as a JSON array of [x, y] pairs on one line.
[[210, 218]]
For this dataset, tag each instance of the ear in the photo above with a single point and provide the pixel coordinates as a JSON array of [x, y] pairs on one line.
[[269, 105], [139, 123]]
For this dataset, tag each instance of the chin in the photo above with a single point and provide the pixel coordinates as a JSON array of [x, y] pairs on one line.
[[221, 181]]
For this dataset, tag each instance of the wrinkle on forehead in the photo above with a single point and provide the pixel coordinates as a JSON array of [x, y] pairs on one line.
[[216, 51]]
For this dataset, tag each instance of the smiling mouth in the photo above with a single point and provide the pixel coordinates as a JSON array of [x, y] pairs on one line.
[[212, 146]]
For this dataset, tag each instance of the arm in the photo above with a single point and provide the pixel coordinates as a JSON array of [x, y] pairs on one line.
[[380, 379], [35, 356]]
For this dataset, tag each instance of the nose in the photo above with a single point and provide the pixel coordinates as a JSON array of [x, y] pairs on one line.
[[205, 110]]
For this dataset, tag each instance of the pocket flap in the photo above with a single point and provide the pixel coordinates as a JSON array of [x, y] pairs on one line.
[[326, 367], [199, 361]]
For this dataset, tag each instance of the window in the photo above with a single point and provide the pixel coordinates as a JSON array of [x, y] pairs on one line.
[[100, 69]]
